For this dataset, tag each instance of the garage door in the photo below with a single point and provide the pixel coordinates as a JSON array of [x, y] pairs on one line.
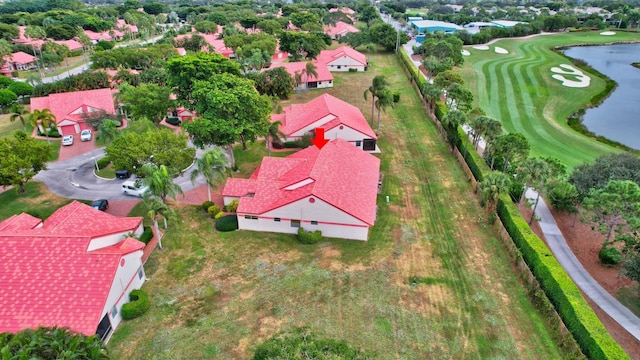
[[68, 130]]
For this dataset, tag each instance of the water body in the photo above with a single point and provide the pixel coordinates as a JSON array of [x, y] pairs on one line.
[[618, 117]]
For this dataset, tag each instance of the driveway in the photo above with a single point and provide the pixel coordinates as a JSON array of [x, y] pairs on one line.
[[78, 148]]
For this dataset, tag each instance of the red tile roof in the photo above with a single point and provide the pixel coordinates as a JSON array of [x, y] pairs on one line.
[[328, 56], [20, 222], [71, 44], [298, 116], [80, 219], [292, 67], [62, 105], [340, 28], [20, 58], [48, 278], [340, 174], [94, 36], [213, 41]]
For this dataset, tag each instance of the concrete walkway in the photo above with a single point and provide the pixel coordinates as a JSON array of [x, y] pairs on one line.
[[610, 305]]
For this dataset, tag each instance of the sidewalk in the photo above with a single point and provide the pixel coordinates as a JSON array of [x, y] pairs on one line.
[[558, 246]]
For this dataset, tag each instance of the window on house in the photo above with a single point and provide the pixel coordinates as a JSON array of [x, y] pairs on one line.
[[339, 66], [295, 223], [276, 219], [250, 195], [314, 222], [251, 217], [114, 312], [140, 272], [358, 143]]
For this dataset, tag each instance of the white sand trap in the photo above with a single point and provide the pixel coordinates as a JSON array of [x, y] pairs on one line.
[[500, 50], [581, 80], [465, 52], [608, 33], [481, 47]]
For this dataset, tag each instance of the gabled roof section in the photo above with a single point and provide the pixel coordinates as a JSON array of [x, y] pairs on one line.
[[20, 222], [62, 105], [340, 28], [339, 174], [20, 57], [328, 56], [298, 116], [83, 220]]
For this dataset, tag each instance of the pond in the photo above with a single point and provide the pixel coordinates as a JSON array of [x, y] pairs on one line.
[[618, 117]]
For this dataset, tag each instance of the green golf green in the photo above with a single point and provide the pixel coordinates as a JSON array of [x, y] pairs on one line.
[[518, 89]]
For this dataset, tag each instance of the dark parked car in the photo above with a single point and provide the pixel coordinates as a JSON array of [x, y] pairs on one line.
[[101, 205], [122, 174]]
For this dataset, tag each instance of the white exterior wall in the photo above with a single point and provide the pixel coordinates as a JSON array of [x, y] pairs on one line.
[[126, 280], [346, 133], [345, 63], [109, 240], [312, 126], [325, 84], [332, 222], [229, 199]]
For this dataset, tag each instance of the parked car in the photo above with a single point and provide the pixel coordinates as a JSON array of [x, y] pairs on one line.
[[67, 140], [134, 188], [123, 174], [85, 135], [101, 205]]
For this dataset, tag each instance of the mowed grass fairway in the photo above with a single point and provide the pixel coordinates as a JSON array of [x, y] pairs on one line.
[[517, 89], [218, 295]]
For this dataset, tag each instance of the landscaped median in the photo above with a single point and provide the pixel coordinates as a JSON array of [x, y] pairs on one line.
[[579, 318]]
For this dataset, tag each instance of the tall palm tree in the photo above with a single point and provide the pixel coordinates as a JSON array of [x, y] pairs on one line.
[[431, 95], [492, 186], [212, 166], [35, 33], [451, 122], [18, 112], [297, 77], [160, 181], [310, 70], [107, 131], [385, 100], [158, 208], [379, 82], [85, 41], [273, 134], [46, 119]]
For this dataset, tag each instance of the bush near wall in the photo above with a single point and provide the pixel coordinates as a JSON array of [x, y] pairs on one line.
[[138, 305], [227, 223], [309, 237], [147, 235], [593, 338], [103, 162], [588, 331]]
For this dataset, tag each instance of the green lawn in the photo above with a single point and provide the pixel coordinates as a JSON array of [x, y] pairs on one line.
[[7, 128], [518, 90], [36, 200], [217, 295]]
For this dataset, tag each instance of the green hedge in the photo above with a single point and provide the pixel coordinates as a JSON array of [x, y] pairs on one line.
[[413, 71], [147, 235], [103, 162], [138, 305], [227, 223], [474, 161], [309, 237], [593, 338]]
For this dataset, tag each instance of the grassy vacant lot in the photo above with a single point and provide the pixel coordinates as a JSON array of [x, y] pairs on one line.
[[217, 295], [518, 90]]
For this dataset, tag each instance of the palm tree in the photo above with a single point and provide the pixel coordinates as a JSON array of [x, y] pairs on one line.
[[46, 119], [35, 33], [160, 182], [273, 134], [212, 165], [107, 131], [18, 112], [431, 95], [492, 186], [451, 122], [158, 208], [379, 83], [85, 41], [385, 100], [297, 77], [310, 70]]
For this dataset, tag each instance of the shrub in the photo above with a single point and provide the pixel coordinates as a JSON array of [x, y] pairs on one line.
[[174, 121], [213, 210], [396, 97], [219, 215], [147, 235], [53, 132], [103, 162], [609, 256], [206, 205], [227, 223], [277, 145], [353, 70], [309, 237], [232, 207], [138, 305]]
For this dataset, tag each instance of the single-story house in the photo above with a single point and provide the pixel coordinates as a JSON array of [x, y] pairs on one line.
[[332, 189], [95, 37], [75, 269], [212, 42], [339, 30], [324, 79], [122, 25], [182, 113], [69, 107], [71, 44], [343, 58], [20, 61], [344, 10], [338, 118]]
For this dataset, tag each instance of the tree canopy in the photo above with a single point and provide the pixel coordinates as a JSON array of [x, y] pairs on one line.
[[23, 157], [623, 166]]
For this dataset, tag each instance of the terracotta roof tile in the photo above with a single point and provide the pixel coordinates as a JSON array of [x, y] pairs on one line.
[[63, 104], [19, 222], [328, 56], [80, 219], [340, 28]]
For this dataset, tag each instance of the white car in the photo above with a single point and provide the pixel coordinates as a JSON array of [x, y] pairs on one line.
[[85, 135], [67, 140], [134, 188]]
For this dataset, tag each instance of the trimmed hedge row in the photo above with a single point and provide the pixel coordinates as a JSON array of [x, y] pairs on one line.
[[593, 338], [413, 71], [588, 331], [147, 235], [138, 305]]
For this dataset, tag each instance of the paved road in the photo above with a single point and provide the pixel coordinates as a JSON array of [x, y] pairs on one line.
[[74, 178], [580, 276]]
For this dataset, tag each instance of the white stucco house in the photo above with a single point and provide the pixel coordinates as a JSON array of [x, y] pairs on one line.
[[343, 58], [75, 269], [332, 189], [338, 118]]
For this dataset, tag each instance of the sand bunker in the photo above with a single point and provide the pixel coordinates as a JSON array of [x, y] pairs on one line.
[[481, 47], [500, 50], [581, 80], [465, 52], [608, 33]]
